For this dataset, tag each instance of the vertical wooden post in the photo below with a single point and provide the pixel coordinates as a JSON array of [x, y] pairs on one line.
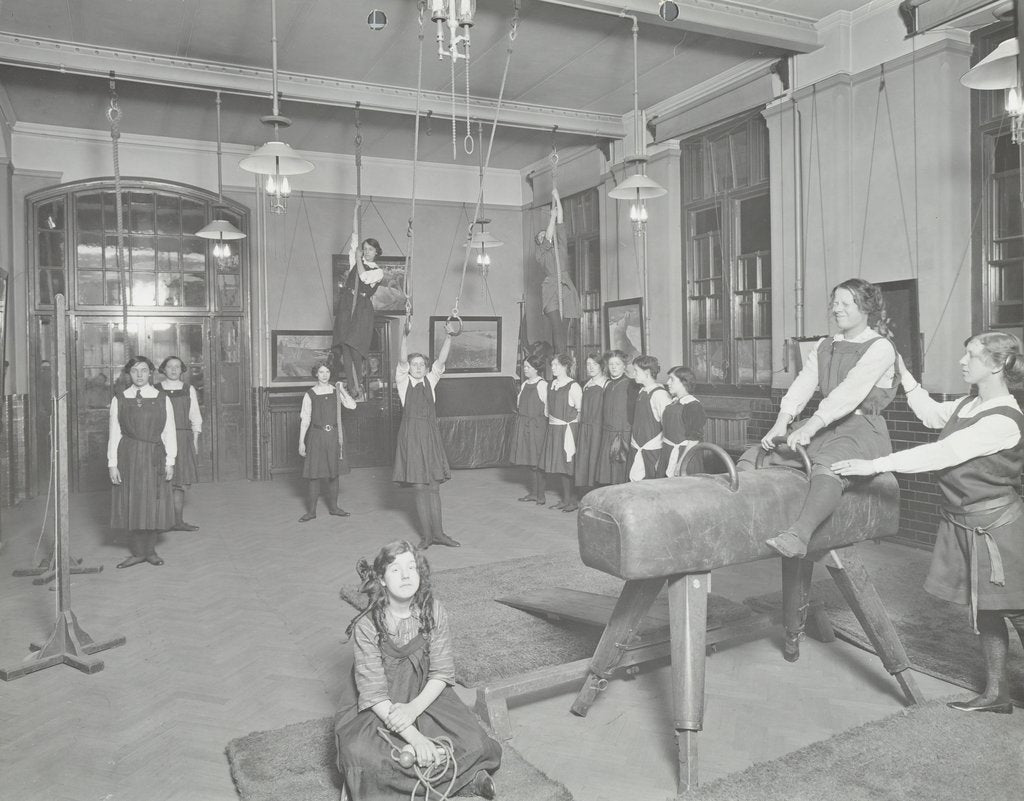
[[688, 624], [68, 644]]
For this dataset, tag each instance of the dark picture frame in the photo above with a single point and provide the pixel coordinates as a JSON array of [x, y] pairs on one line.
[[294, 352], [624, 326], [901, 304], [391, 296], [476, 350]]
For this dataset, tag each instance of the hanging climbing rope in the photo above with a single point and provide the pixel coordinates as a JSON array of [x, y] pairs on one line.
[[114, 117], [427, 778], [453, 324], [411, 230], [554, 233], [359, 203]]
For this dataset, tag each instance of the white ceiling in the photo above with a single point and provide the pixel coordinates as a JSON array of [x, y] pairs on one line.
[[567, 63]]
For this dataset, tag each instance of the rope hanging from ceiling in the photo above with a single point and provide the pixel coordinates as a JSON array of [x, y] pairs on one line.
[[114, 117]]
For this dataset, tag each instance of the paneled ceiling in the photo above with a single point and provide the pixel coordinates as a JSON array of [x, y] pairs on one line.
[[571, 66]]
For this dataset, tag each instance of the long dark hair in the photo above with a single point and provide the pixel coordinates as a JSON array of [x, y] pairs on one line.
[[371, 576]]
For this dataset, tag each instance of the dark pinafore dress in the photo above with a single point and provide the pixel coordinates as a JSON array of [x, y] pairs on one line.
[[681, 422], [616, 430], [645, 428], [143, 500], [588, 443], [354, 327], [560, 433], [323, 453], [364, 757], [529, 427], [862, 434], [420, 456], [186, 466], [978, 558]]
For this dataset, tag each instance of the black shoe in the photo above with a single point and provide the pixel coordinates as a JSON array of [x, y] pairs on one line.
[[444, 539], [559, 505], [483, 785], [528, 498], [339, 512], [572, 507], [131, 561], [1000, 708], [307, 517], [184, 527]]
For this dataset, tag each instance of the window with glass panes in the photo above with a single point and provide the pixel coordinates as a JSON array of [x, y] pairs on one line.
[[727, 230], [581, 213]]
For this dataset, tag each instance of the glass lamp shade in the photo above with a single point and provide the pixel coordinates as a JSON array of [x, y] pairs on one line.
[[483, 239], [998, 70], [637, 187], [275, 158], [220, 230]]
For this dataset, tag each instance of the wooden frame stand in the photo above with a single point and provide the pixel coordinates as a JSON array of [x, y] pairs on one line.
[[68, 644]]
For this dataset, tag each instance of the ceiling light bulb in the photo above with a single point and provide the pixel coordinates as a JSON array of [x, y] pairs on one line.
[[642, 217], [1014, 101], [271, 185], [286, 188], [634, 212]]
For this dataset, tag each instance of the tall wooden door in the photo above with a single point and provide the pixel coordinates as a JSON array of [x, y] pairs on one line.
[[100, 356]]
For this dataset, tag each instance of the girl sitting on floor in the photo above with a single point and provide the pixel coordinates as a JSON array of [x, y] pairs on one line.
[[404, 671], [682, 423], [530, 425], [559, 451], [856, 372]]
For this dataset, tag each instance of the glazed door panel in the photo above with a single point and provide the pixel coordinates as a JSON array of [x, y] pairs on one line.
[[101, 355]]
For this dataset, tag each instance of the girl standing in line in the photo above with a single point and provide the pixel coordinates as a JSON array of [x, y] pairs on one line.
[[559, 450], [353, 309], [318, 441], [588, 447], [420, 459], [856, 372], [188, 424], [404, 671], [529, 427], [619, 401], [682, 423], [646, 435], [140, 457], [978, 559]]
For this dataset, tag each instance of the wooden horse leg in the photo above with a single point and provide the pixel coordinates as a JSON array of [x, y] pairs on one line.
[[796, 587], [853, 581], [636, 598], [688, 625]]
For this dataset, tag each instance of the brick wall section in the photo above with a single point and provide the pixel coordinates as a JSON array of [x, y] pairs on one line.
[[919, 493]]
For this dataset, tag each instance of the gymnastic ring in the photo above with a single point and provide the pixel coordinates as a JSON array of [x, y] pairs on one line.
[[718, 450], [800, 449], [449, 328]]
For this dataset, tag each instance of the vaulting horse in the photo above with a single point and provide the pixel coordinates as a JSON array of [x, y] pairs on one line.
[[677, 530]]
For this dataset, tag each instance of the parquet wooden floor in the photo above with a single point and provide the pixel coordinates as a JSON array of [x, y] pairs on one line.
[[241, 630]]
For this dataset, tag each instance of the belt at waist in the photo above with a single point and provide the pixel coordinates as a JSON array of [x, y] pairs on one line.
[[157, 441], [327, 427], [1012, 509], [184, 429]]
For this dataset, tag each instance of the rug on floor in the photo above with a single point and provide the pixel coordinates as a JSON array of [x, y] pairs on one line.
[[494, 641], [296, 763], [936, 634], [917, 753]]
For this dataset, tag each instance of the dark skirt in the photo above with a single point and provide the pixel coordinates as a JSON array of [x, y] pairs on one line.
[[144, 498], [420, 456], [527, 440], [552, 457], [186, 466], [614, 456], [323, 454]]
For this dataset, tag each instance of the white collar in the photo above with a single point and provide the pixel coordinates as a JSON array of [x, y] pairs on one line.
[[865, 335]]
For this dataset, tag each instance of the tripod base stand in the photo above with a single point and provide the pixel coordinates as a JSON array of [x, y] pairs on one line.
[[68, 645]]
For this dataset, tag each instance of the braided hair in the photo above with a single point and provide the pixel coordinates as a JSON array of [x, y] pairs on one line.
[[372, 586], [870, 301]]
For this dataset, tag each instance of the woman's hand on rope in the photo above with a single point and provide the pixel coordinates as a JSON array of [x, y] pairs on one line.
[[426, 752], [115, 475]]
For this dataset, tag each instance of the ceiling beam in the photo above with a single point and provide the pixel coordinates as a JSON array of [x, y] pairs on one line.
[[728, 19], [78, 59]]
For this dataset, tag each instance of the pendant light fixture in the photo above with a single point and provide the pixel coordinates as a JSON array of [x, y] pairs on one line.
[[482, 239], [276, 160], [220, 230], [638, 188]]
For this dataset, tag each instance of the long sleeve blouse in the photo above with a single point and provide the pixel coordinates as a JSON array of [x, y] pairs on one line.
[[195, 416], [371, 681], [403, 380], [168, 436], [874, 369]]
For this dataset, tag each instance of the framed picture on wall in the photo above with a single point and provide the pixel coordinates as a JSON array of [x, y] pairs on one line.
[[293, 354], [624, 326], [476, 350], [902, 308], [390, 296]]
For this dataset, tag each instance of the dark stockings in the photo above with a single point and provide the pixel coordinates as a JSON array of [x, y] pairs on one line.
[[559, 330], [568, 495], [142, 544], [995, 641], [536, 493], [421, 492], [354, 365], [179, 510], [822, 499]]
